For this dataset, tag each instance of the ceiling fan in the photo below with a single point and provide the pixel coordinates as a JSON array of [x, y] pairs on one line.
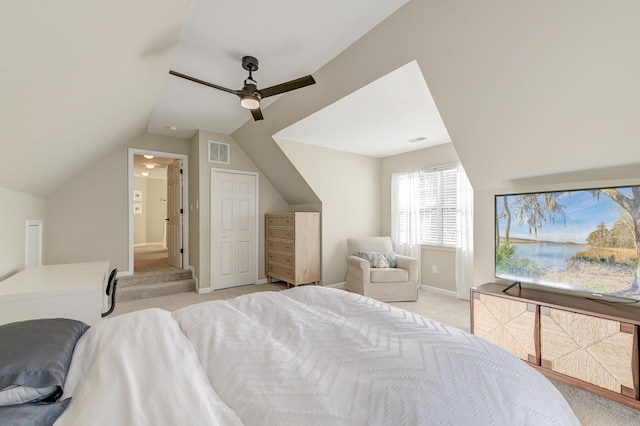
[[249, 95]]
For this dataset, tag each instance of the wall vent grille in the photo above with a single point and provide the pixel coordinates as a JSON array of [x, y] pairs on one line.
[[219, 152]]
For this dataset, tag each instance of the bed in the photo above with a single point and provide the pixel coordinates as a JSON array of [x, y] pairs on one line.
[[307, 355]]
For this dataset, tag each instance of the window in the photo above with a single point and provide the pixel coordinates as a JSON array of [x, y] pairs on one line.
[[434, 193]]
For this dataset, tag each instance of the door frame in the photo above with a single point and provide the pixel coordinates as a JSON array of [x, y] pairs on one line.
[[185, 202], [215, 170]]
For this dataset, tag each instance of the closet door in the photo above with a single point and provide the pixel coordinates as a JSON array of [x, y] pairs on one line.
[[233, 229]]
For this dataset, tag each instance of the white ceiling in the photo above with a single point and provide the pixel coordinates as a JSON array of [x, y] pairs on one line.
[[392, 115], [79, 80], [158, 171], [290, 39]]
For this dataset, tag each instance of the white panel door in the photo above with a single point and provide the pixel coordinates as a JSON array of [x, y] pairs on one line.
[[233, 229], [174, 213]]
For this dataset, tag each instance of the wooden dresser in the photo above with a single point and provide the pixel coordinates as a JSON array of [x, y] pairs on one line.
[[293, 247], [585, 343]]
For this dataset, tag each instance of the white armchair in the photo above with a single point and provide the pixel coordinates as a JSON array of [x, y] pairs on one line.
[[399, 284]]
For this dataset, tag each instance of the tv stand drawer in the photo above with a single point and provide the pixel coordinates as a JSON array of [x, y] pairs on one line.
[[510, 324], [595, 350]]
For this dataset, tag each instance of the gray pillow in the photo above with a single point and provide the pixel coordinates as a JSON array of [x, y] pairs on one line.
[[390, 257], [36, 354], [40, 414]]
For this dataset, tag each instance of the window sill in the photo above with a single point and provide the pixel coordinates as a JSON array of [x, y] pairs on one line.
[[442, 248]]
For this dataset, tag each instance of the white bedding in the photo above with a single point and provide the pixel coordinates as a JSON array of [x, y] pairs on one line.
[[309, 355], [313, 355], [139, 369]]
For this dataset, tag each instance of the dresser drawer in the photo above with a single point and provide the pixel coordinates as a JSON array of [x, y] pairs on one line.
[[281, 272], [283, 246], [283, 234], [281, 258], [280, 221]]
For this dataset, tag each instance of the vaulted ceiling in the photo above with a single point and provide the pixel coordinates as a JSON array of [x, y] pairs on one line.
[[78, 79], [530, 92]]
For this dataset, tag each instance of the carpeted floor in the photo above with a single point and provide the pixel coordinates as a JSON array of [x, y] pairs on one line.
[[149, 257], [590, 409]]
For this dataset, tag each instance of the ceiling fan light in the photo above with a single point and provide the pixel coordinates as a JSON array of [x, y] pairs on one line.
[[250, 102]]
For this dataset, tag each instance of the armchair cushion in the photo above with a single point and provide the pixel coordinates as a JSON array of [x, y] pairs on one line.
[[389, 275]]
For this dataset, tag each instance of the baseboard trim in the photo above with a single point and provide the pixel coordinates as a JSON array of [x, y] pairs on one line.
[[209, 290], [439, 290], [148, 244], [341, 285]]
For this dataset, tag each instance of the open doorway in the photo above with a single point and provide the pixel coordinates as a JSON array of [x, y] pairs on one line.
[[157, 222]]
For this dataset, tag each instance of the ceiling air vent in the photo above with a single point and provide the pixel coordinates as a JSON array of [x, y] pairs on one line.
[[418, 139], [219, 152]]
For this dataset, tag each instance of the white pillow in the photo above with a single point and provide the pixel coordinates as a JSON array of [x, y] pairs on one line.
[[15, 395], [380, 262]]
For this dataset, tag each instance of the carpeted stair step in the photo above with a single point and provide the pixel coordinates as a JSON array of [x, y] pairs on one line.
[[155, 277], [161, 282], [149, 290]]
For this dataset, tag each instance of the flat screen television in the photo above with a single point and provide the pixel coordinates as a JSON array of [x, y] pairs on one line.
[[584, 240]]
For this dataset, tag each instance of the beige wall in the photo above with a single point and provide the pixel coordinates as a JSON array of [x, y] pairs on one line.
[[270, 200], [148, 227], [88, 216], [443, 277], [140, 220], [348, 187], [17, 208]]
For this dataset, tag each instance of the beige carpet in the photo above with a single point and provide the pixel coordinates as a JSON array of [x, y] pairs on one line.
[[150, 257], [590, 409], [173, 302]]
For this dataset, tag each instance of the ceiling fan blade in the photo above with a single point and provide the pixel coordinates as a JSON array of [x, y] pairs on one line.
[[288, 86], [257, 114], [196, 80]]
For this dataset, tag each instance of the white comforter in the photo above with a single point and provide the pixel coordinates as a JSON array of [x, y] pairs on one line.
[[139, 369], [313, 355]]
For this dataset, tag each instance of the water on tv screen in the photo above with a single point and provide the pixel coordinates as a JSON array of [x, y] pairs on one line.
[[585, 240]]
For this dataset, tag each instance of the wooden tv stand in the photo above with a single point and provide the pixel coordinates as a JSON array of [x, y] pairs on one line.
[[586, 343]]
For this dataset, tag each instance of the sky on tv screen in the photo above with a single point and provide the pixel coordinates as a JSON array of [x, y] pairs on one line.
[[583, 213]]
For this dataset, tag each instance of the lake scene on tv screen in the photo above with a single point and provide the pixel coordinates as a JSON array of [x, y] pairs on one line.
[[584, 240]]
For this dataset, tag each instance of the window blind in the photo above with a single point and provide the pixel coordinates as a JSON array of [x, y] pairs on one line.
[[437, 193]]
